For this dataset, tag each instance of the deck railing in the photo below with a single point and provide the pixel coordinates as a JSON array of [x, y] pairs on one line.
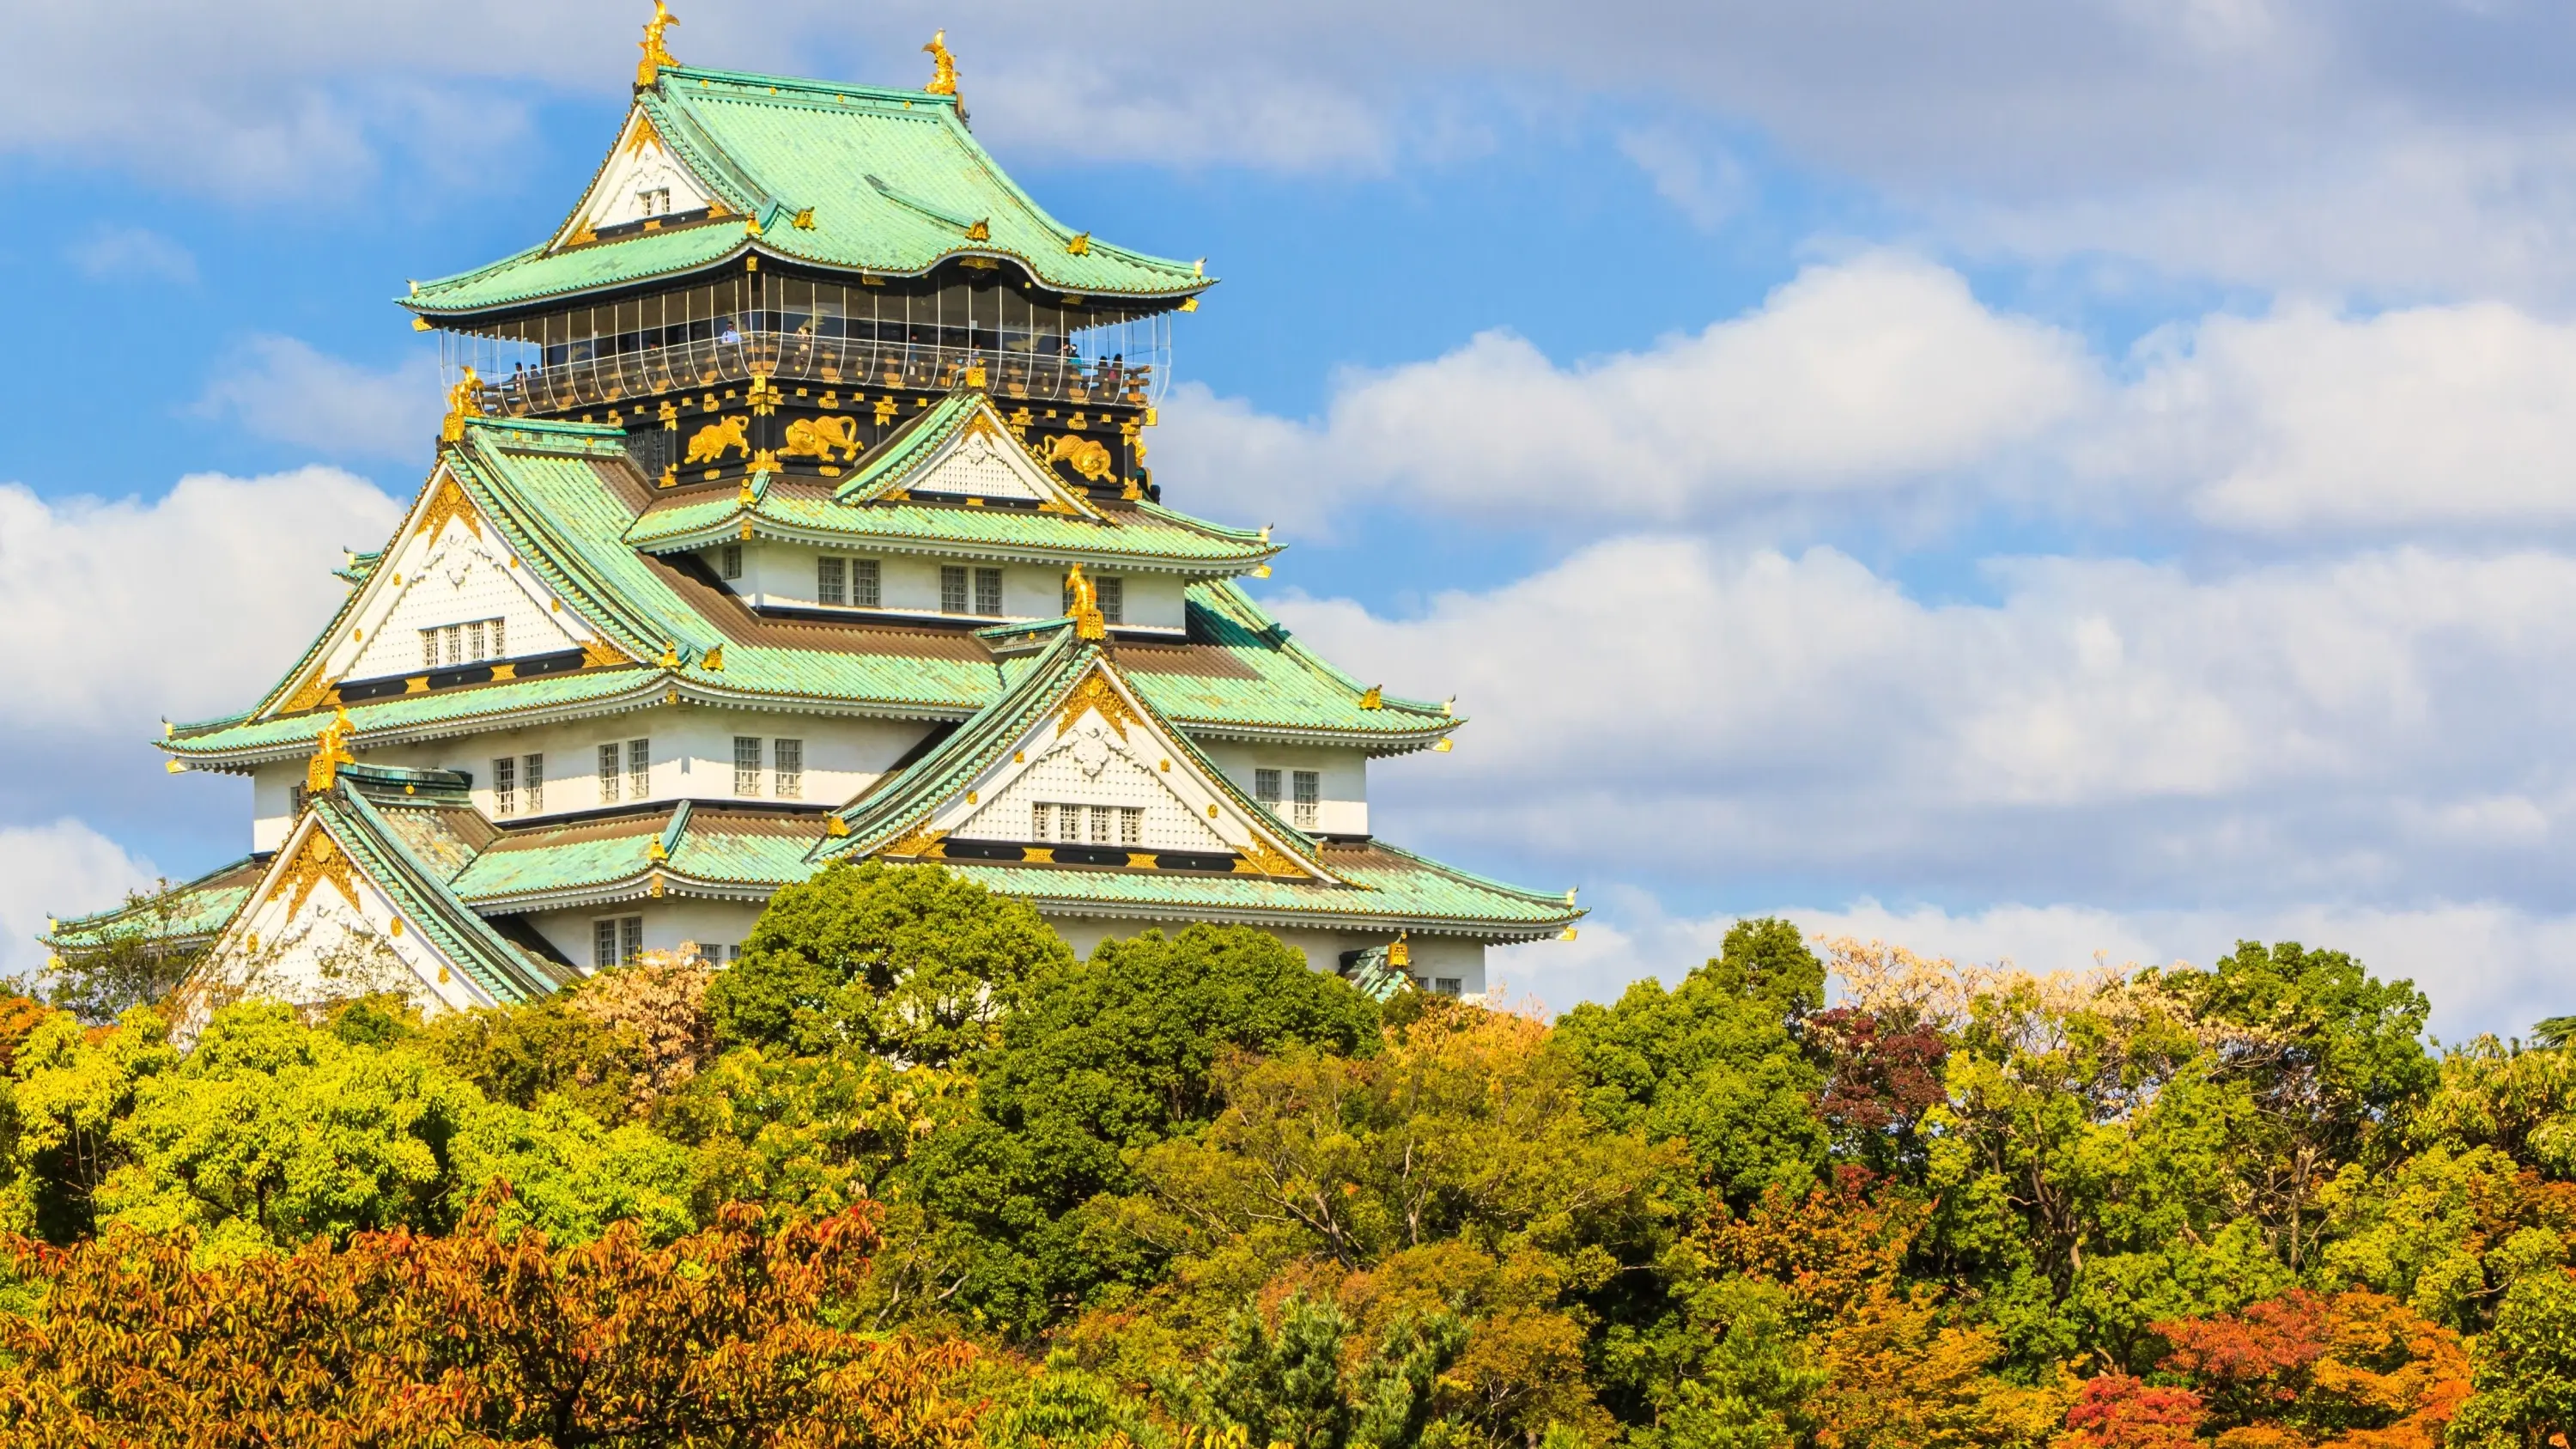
[[844, 362]]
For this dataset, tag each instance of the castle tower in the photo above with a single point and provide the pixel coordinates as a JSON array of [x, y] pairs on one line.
[[792, 507]]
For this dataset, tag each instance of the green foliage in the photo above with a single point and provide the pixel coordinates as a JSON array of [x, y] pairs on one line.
[[1102, 1060], [1297, 1384], [1714, 1063], [910, 963], [2526, 1370]]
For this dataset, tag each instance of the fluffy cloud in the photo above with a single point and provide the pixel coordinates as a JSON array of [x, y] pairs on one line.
[[62, 867], [1670, 710], [2486, 967], [1876, 371], [283, 388], [1884, 375], [126, 610], [2253, 139]]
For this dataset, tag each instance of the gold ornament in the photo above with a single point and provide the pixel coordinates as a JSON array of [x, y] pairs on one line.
[[464, 400], [821, 438], [709, 443], [943, 74], [656, 53], [331, 751], [1087, 624]]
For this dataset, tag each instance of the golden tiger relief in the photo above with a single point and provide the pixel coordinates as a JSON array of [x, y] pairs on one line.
[[708, 444], [821, 437], [1088, 458]]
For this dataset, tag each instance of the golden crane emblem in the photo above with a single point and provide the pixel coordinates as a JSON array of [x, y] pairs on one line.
[[943, 76], [656, 53]]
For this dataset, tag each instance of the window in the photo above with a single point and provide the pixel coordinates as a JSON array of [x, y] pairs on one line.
[[639, 769], [729, 561], [952, 589], [532, 775], [1041, 818], [1113, 600], [450, 645], [505, 786], [1446, 985], [616, 941], [787, 764], [831, 577], [1131, 825], [1309, 785], [867, 587], [656, 202], [1087, 824], [1265, 787], [610, 772], [746, 764], [988, 591]]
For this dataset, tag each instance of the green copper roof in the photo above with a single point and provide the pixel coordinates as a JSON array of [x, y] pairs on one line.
[[183, 917], [893, 180], [1147, 537], [706, 847], [411, 712], [1402, 890], [420, 891]]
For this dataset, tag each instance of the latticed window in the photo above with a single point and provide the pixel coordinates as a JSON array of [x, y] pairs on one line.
[[639, 769], [630, 939], [1104, 824], [1447, 985], [729, 561], [988, 591], [610, 773], [1131, 825], [429, 648], [1041, 819], [867, 583], [499, 649], [1309, 785], [952, 589], [616, 941], [746, 764], [505, 786], [788, 768], [532, 770], [1265, 787], [831, 580], [474, 641], [1112, 593]]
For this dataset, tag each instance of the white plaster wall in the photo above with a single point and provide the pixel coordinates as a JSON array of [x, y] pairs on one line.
[[781, 575], [272, 803], [1058, 778], [1344, 807], [456, 579], [1434, 958], [692, 756], [287, 963], [669, 923]]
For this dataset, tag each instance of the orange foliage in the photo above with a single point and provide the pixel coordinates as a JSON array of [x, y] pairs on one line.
[[471, 1340], [2116, 1411], [2351, 1370], [19, 1016]]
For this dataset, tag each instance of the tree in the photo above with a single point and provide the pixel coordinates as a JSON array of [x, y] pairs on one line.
[[1102, 1058], [133, 962], [1715, 1061], [911, 963], [2525, 1379], [1297, 1384], [477, 1338]]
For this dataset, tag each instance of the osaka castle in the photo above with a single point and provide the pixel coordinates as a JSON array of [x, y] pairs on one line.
[[792, 507]]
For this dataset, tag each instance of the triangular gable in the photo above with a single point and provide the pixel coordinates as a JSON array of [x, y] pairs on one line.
[[974, 455], [1110, 774], [644, 182], [326, 922], [447, 567]]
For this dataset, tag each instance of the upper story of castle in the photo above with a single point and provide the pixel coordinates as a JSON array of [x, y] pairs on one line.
[[772, 274]]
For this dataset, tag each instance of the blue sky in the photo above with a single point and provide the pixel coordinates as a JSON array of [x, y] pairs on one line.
[[2043, 480]]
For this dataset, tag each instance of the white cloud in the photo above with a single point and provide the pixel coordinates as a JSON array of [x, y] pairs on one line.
[[1876, 371], [1705, 184], [2484, 966], [113, 253], [2105, 730], [61, 868], [184, 607], [2444, 415], [283, 388]]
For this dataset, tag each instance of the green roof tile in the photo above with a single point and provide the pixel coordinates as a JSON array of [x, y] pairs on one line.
[[893, 180]]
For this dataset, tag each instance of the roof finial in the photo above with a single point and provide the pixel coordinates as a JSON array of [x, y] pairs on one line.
[[656, 54], [1087, 620], [464, 400], [943, 78], [330, 752]]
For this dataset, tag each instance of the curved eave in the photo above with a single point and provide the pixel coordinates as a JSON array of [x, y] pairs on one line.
[[1321, 916], [729, 530], [1390, 743], [623, 890]]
